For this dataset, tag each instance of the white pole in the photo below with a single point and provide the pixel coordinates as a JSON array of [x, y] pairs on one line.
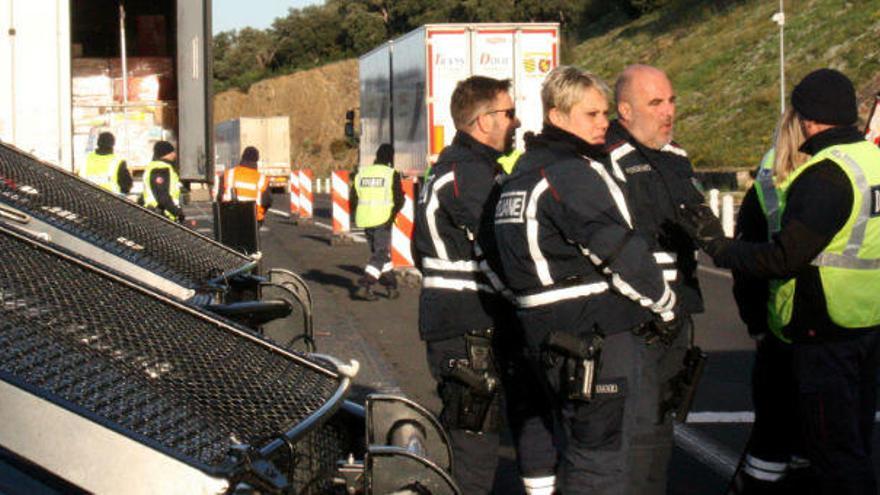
[[779, 18], [713, 201], [727, 214], [122, 49]]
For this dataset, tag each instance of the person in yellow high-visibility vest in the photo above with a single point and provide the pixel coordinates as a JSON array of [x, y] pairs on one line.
[[244, 183], [162, 183], [376, 197], [773, 458], [824, 272], [106, 169]]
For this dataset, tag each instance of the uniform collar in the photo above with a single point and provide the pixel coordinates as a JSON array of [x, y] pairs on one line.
[[554, 137], [467, 141], [831, 137]]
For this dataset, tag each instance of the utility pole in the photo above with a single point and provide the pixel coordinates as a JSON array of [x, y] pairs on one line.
[[779, 19]]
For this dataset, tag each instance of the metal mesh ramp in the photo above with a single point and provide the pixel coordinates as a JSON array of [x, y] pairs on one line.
[[156, 369], [110, 222]]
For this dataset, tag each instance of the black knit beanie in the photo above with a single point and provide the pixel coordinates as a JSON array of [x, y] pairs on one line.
[[826, 96], [162, 148], [250, 156]]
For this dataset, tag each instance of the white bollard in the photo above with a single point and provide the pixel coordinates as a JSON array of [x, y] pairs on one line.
[[727, 214], [713, 201]]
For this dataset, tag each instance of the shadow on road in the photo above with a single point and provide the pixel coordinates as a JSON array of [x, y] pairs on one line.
[[324, 278], [357, 270], [318, 238]]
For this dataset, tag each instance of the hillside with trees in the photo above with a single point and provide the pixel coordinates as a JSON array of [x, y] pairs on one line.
[[722, 55]]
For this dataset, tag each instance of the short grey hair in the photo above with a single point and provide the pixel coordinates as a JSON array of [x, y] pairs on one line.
[[565, 86]]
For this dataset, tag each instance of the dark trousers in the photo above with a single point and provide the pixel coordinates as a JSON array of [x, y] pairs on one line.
[[617, 443], [774, 441], [529, 416], [836, 399], [379, 267]]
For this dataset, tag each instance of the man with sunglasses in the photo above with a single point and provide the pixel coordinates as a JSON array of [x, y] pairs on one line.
[[464, 321]]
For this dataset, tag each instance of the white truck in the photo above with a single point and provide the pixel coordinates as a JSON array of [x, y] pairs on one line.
[[406, 84], [271, 137], [70, 69]]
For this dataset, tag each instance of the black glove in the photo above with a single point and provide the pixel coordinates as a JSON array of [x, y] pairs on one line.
[[702, 226], [661, 331]]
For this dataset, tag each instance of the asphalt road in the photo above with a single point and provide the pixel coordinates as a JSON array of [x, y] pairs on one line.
[[382, 336]]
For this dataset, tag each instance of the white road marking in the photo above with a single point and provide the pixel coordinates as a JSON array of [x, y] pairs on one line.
[[205, 230], [279, 213], [730, 417], [704, 417]]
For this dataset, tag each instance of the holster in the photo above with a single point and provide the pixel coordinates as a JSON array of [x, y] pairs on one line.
[[578, 360], [471, 386], [659, 331], [683, 386]]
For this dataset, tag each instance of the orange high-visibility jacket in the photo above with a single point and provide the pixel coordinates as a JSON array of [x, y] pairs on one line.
[[245, 184]]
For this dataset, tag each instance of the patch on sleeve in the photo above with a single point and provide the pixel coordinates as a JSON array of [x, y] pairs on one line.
[[875, 201], [511, 207]]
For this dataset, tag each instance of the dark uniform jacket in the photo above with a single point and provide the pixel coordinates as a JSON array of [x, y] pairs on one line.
[[566, 244], [160, 182], [657, 182], [816, 208], [751, 294], [456, 296]]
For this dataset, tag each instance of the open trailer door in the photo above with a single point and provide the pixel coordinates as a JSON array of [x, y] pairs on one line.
[[194, 89]]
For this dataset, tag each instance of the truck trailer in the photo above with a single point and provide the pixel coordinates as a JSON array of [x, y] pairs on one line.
[[406, 84], [270, 135], [138, 68]]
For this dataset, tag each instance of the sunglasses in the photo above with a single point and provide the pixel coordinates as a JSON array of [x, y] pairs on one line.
[[509, 112]]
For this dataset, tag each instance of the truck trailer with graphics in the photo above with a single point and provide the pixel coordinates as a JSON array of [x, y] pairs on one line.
[[406, 84]]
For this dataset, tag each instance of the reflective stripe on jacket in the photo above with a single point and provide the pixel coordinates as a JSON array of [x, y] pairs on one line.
[[243, 183], [849, 266]]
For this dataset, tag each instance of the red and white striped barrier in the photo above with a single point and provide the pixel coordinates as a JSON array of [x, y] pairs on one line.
[[341, 207], [401, 234], [293, 184], [306, 198]]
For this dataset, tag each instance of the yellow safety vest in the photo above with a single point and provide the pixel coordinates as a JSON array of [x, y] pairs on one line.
[[102, 170], [849, 266], [770, 200], [508, 161], [375, 196], [150, 200]]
